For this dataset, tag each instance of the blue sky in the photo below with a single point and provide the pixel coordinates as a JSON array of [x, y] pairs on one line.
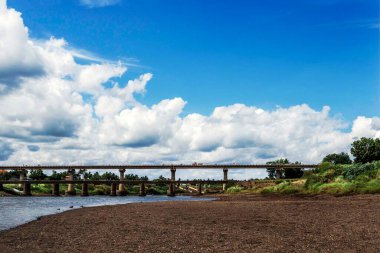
[[213, 53], [134, 81]]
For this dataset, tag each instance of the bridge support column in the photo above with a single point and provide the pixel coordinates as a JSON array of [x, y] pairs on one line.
[[199, 189], [225, 178], [122, 191], [171, 192], [172, 170], [27, 189], [113, 189], [142, 190], [278, 174], [1, 187], [55, 191], [70, 188], [23, 174], [84, 189]]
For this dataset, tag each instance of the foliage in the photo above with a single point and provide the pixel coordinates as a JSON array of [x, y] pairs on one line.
[[57, 175], [341, 158], [366, 150], [37, 174], [284, 187], [156, 190], [234, 189], [288, 173], [9, 174], [160, 178]]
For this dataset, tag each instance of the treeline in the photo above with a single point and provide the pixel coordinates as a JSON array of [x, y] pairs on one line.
[[364, 150]]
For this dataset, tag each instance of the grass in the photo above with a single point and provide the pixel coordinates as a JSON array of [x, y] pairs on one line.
[[327, 179]]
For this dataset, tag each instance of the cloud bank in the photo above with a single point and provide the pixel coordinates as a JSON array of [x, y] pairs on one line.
[[47, 117]]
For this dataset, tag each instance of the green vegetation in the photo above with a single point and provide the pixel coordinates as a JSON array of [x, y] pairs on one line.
[[366, 150], [289, 173], [342, 158], [344, 179], [234, 189], [336, 175]]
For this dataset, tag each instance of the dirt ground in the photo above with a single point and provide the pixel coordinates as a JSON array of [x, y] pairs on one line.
[[236, 223]]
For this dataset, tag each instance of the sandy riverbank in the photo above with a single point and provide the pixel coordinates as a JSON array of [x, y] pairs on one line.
[[233, 224]]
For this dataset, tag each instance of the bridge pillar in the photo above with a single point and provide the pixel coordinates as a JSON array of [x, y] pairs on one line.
[[171, 192], [27, 189], [113, 189], [122, 191], [70, 188], [23, 174], [199, 189], [142, 190], [55, 191], [1, 187], [278, 173], [84, 189], [173, 170], [225, 178]]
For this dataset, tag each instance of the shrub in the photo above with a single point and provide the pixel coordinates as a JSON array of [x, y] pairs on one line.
[[353, 171], [234, 189]]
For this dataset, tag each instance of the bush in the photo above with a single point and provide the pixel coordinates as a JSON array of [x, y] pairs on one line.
[[353, 171], [234, 189]]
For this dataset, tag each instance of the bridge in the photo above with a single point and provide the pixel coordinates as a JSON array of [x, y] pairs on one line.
[[121, 183]]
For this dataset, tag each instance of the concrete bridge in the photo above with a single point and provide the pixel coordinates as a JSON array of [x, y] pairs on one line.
[[120, 184]]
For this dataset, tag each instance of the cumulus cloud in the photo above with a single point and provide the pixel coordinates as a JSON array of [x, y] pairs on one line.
[[99, 3], [19, 57], [48, 111]]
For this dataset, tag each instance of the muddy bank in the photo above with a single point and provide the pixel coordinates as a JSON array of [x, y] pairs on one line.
[[237, 223]]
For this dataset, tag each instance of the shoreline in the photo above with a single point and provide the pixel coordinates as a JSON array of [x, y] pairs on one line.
[[234, 222]]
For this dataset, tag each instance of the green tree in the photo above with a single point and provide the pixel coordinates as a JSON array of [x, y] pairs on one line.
[[57, 175], [293, 172], [37, 174], [366, 150], [9, 174], [341, 158], [288, 173], [272, 172], [109, 176]]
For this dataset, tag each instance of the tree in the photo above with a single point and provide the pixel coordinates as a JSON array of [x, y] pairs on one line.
[[288, 173], [109, 176], [272, 172], [6, 175], [293, 172], [37, 174], [341, 158], [366, 150], [57, 175]]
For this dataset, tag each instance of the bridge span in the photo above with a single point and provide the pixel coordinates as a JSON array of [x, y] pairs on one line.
[[121, 183]]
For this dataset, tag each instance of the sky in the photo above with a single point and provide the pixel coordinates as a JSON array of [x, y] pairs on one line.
[[152, 81]]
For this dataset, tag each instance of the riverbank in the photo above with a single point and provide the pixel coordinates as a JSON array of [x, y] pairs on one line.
[[235, 223]]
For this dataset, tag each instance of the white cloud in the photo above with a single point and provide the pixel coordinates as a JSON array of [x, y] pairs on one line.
[[19, 57], [46, 118], [99, 3]]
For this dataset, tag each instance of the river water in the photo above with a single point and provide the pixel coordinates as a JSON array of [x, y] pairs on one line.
[[15, 211]]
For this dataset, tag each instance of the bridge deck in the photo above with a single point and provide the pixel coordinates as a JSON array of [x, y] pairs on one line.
[[134, 181], [143, 167]]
